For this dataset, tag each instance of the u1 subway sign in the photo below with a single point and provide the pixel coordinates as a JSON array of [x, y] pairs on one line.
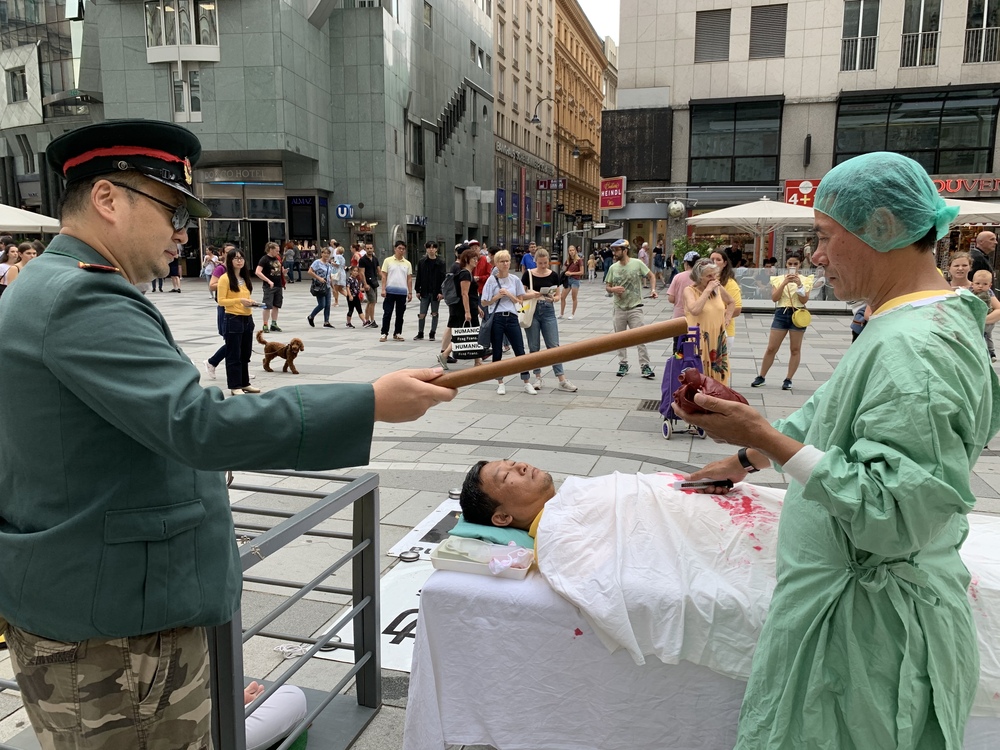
[[612, 192]]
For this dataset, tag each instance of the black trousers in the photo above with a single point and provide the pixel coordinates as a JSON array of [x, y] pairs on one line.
[[397, 302]]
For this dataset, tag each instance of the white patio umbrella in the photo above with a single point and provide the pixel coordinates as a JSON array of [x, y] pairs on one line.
[[757, 217], [975, 212], [18, 220]]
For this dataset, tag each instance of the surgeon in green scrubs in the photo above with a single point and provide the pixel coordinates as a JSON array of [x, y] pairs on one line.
[[869, 642]]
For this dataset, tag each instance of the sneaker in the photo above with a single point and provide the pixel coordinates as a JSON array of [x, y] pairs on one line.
[[786, 384], [501, 390], [538, 383], [383, 337], [570, 317], [757, 382], [565, 385], [250, 389], [210, 369], [622, 369], [350, 324], [397, 337], [431, 337], [506, 348], [419, 337], [443, 361], [559, 317], [529, 388], [274, 328], [309, 319], [265, 329], [451, 360], [328, 325]]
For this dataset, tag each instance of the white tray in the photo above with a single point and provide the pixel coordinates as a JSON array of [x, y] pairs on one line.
[[445, 557]]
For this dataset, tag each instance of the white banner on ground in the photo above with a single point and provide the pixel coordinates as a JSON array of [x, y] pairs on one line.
[[427, 534], [400, 601]]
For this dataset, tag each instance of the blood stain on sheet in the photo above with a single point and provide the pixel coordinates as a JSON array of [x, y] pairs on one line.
[[974, 589], [743, 511], [758, 547], [577, 633]]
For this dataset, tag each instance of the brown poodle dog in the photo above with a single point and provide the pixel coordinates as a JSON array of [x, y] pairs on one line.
[[288, 352]]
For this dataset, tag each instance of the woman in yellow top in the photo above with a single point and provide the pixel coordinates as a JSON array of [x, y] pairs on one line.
[[788, 292], [233, 295], [727, 278], [708, 305]]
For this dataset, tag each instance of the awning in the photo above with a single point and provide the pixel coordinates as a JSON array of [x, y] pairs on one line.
[[614, 234], [18, 220]]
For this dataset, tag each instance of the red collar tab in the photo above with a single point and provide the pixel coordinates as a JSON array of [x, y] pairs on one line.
[[97, 268]]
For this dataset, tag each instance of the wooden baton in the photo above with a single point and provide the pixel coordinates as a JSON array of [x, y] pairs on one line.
[[564, 353]]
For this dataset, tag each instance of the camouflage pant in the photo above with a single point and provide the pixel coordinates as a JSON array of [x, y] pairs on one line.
[[149, 692]]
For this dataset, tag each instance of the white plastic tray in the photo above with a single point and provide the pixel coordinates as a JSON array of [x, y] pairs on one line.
[[446, 557]]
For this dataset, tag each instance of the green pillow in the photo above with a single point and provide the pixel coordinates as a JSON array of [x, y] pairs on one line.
[[495, 534]]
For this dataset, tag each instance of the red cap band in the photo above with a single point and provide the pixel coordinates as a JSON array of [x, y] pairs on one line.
[[98, 153]]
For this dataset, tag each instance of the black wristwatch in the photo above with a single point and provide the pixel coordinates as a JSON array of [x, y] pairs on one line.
[[745, 461]]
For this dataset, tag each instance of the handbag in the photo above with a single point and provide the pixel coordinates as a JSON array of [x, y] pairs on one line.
[[465, 342], [801, 317], [317, 288], [485, 337], [526, 312]]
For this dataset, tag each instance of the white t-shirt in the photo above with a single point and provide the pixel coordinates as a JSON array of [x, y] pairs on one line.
[[493, 286]]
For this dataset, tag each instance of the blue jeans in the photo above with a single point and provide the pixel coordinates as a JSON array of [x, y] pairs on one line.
[[323, 303], [239, 345], [505, 324], [289, 267], [544, 326]]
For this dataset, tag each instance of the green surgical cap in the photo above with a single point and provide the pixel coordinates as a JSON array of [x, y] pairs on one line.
[[886, 200]]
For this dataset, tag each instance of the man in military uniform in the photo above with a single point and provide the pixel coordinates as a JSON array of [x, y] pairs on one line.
[[116, 538]]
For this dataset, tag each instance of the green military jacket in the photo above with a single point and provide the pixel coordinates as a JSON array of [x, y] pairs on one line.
[[114, 512]]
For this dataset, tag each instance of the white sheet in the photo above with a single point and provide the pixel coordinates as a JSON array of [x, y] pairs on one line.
[[674, 575], [500, 663], [689, 577]]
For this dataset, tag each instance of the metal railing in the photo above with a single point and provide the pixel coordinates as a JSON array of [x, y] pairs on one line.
[[982, 45], [258, 543], [858, 53], [919, 50]]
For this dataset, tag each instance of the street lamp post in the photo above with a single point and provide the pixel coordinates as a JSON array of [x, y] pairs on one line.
[[553, 196]]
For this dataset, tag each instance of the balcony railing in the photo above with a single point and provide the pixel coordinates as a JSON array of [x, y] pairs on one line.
[[919, 50], [858, 53], [982, 45]]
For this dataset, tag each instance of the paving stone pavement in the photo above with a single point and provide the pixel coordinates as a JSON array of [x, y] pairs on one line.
[[598, 429]]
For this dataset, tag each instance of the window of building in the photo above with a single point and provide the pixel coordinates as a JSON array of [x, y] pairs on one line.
[[186, 92], [982, 31], [415, 144], [950, 131], [711, 36], [171, 22], [481, 59], [736, 144], [768, 24], [921, 29], [500, 79], [428, 15], [501, 36], [860, 38], [472, 51], [17, 85]]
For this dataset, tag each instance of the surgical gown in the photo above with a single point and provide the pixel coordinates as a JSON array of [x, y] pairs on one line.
[[869, 642]]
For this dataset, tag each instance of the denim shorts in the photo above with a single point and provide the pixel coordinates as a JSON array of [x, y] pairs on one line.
[[783, 320], [573, 283]]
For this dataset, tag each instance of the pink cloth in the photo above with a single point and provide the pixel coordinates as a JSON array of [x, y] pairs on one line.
[[680, 282], [219, 270]]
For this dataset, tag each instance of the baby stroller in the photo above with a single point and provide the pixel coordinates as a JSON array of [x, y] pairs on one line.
[[686, 356]]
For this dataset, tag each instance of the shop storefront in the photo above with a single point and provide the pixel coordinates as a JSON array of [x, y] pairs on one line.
[[526, 199], [251, 207]]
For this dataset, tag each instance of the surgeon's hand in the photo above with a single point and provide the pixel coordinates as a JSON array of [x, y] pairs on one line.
[[406, 395], [740, 424], [726, 468]]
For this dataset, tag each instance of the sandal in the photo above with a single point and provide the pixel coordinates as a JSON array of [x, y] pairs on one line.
[[398, 338]]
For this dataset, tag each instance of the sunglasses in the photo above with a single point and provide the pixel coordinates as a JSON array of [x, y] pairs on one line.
[[179, 215]]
